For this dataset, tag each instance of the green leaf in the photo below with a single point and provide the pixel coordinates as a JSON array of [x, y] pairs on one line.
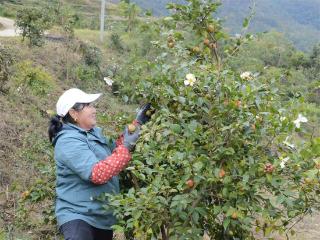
[[175, 128], [198, 166], [195, 217], [245, 23], [269, 177], [226, 223]]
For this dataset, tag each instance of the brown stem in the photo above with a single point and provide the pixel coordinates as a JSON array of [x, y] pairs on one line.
[[194, 204], [134, 181], [164, 233], [217, 58]]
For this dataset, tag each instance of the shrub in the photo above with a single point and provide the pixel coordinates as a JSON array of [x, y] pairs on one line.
[[33, 78], [116, 42], [218, 155], [92, 55], [6, 60]]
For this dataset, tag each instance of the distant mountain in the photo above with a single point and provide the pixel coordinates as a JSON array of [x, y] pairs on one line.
[[299, 20]]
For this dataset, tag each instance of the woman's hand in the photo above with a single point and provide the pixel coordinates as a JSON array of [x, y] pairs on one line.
[[142, 116], [130, 139]]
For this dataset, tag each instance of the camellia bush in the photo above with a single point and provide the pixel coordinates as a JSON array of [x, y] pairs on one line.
[[223, 153]]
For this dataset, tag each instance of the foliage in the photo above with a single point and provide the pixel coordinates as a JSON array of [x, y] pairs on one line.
[[218, 155], [33, 78], [272, 54], [116, 42], [33, 22], [62, 15], [87, 77], [92, 55], [41, 190], [130, 11], [298, 20], [6, 60]]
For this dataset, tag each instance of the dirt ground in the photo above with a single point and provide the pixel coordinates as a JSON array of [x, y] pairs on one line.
[[7, 28], [309, 228]]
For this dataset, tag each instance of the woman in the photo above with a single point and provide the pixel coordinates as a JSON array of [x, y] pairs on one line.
[[87, 165]]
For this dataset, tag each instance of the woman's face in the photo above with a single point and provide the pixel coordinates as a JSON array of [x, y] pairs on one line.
[[85, 118]]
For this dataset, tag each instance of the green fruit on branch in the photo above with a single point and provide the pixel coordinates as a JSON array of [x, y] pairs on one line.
[[131, 128], [196, 49], [170, 44], [210, 28], [234, 215]]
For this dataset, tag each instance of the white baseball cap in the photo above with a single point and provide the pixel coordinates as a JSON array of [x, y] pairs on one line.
[[71, 97]]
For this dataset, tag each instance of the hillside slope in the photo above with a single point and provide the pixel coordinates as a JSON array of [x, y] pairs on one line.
[[26, 157], [298, 19]]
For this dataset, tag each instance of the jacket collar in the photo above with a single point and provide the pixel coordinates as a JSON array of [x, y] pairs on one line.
[[69, 126], [72, 127]]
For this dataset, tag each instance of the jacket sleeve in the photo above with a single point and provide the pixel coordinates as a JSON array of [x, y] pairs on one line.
[[105, 169]]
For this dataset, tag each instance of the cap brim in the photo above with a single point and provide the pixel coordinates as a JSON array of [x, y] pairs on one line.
[[91, 98]]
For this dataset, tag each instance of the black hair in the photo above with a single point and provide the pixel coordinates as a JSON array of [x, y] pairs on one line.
[[56, 122]]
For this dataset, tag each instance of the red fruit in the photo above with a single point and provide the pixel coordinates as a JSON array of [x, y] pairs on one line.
[[206, 42], [222, 173], [190, 183], [268, 168]]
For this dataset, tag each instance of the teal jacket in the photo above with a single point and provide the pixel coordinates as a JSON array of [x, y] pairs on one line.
[[76, 151]]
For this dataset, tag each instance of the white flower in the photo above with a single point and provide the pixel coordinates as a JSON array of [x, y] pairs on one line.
[[108, 81], [190, 79], [290, 145], [299, 120], [246, 75], [283, 162]]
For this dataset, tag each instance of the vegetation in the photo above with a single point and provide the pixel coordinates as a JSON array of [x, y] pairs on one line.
[[297, 19], [218, 154]]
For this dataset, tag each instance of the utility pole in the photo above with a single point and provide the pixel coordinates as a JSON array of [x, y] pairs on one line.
[[103, 6]]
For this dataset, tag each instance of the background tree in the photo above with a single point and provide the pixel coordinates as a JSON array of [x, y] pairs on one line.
[[33, 22], [130, 11]]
